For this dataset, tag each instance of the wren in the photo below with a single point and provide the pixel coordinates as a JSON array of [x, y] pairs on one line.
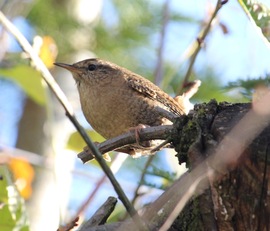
[[115, 100]]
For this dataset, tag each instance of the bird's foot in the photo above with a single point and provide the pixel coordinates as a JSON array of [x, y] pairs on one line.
[[136, 130]]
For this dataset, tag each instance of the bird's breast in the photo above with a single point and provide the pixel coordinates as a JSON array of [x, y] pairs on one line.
[[113, 110]]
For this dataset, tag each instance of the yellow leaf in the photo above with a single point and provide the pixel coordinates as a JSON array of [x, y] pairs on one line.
[[23, 173], [47, 49]]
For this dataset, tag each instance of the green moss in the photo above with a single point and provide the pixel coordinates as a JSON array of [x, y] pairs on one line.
[[192, 129]]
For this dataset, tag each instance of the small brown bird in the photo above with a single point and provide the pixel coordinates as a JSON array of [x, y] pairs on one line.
[[115, 100]]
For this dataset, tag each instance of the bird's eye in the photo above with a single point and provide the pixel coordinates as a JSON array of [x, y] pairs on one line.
[[92, 67]]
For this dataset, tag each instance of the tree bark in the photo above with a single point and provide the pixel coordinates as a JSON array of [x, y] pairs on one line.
[[240, 199]]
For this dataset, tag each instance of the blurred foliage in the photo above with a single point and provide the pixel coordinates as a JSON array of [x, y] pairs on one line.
[[28, 79], [12, 210], [166, 177], [212, 88], [76, 142], [51, 18], [124, 37], [259, 14], [247, 87]]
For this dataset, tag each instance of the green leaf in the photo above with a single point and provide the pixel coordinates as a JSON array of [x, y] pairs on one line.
[[247, 87], [12, 209], [167, 178], [156, 171], [259, 14], [76, 142], [28, 79]]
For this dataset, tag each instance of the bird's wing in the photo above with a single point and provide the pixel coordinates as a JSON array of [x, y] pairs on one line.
[[152, 91]]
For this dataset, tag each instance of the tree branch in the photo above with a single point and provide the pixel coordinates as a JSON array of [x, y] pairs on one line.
[[199, 41], [151, 133], [101, 215], [159, 66]]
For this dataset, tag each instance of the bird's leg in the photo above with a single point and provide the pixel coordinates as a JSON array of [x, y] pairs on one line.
[[136, 131], [134, 151], [138, 149]]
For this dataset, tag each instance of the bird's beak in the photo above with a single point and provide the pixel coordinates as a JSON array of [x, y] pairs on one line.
[[69, 67]]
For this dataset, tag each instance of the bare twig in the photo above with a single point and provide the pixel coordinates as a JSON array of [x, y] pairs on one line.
[[151, 133], [115, 165], [160, 146], [200, 40], [101, 215], [147, 164], [70, 225], [159, 66], [69, 112]]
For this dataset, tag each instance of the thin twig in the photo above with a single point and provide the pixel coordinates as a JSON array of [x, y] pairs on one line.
[[147, 164], [160, 146], [70, 114], [159, 66], [151, 133], [115, 165], [69, 226], [199, 42], [101, 215]]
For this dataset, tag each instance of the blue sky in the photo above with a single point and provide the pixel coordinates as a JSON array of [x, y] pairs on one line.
[[239, 54]]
